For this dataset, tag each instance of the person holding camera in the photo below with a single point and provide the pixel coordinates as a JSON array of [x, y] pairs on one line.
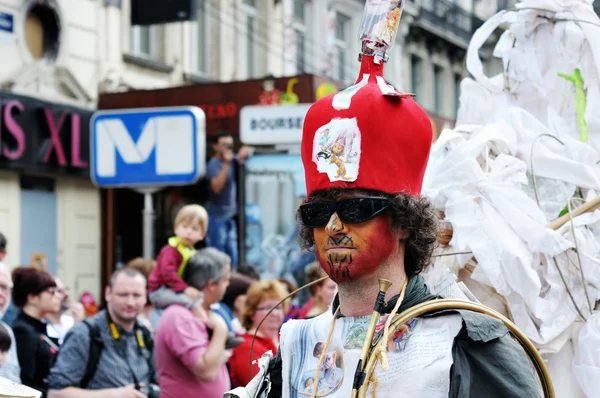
[[111, 354], [222, 196]]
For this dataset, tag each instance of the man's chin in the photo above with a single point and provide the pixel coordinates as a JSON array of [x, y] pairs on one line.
[[127, 317]]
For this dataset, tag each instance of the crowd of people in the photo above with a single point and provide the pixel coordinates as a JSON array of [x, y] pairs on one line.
[[183, 324]]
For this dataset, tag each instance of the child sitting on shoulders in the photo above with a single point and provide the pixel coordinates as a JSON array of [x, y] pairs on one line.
[[165, 283]]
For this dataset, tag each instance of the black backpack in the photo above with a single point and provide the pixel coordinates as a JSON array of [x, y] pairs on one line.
[[96, 347]]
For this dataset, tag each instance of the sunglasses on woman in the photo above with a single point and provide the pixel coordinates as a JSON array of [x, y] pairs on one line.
[[350, 211]]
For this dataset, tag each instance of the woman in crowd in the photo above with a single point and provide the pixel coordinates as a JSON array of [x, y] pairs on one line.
[[323, 293], [261, 297], [35, 295]]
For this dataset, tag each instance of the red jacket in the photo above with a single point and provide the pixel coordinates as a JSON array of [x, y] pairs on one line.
[[165, 273], [239, 363]]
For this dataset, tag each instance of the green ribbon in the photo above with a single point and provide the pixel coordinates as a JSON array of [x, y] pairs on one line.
[[581, 105], [580, 101]]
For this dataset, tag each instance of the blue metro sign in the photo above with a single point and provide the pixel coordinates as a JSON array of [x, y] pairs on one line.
[[147, 147]]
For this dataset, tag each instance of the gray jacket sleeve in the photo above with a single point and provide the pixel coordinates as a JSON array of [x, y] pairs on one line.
[[70, 365], [489, 363], [10, 369]]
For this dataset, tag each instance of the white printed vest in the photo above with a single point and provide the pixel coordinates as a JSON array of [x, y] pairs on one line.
[[419, 361]]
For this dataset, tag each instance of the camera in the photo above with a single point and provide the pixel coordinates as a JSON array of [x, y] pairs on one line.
[[150, 390]]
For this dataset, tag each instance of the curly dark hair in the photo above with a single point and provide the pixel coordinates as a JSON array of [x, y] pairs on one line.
[[414, 215]]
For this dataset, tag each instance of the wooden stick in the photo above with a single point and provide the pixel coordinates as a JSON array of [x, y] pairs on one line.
[[584, 208]]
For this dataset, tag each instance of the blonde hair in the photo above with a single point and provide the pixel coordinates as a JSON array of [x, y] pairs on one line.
[[257, 292], [192, 212]]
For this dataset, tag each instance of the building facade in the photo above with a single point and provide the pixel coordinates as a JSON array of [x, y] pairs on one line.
[[49, 210]]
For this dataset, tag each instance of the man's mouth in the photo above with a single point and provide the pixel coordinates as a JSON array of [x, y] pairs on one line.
[[339, 249]]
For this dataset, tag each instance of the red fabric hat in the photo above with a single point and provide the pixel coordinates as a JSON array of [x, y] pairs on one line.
[[368, 136]]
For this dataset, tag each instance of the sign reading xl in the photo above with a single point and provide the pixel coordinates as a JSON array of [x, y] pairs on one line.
[[147, 147]]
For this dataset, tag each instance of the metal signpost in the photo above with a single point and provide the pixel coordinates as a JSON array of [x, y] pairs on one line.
[[147, 149]]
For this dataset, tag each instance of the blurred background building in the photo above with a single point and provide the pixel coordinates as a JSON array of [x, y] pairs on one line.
[[62, 59]]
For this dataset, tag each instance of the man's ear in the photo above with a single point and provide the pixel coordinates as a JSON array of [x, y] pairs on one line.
[[401, 234], [107, 293], [31, 297]]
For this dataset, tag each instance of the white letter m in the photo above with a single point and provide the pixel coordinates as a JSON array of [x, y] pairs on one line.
[[172, 136]]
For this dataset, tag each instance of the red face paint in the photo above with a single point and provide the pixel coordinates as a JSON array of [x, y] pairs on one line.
[[351, 251]]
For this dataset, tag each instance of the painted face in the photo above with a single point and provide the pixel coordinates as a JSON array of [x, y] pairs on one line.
[[189, 231], [350, 251]]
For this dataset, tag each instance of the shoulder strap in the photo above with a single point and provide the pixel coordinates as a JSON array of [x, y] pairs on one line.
[[96, 347], [149, 343]]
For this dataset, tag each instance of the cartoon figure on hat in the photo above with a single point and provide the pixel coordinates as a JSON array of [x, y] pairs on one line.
[[336, 149]]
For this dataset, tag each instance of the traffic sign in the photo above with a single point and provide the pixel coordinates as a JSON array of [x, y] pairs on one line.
[[147, 147]]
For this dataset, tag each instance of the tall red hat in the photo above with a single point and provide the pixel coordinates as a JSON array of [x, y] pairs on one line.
[[369, 136]]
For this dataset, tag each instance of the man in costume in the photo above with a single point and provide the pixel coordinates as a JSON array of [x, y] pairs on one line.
[[368, 224]]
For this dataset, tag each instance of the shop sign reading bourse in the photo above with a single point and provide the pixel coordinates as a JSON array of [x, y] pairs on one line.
[[272, 124]]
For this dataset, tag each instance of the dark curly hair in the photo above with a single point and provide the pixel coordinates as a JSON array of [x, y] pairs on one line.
[[413, 215]]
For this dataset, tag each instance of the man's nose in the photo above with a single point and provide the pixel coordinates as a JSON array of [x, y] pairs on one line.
[[335, 225]]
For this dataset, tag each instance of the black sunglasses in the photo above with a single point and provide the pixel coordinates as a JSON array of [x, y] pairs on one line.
[[351, 210]]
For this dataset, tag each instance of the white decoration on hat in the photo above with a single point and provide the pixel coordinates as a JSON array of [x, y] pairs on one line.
[[343, 99], [337, 149]]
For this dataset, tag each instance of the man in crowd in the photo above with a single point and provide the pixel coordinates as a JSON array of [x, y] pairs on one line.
[[10, 369], [60, 323], [190, 354], [109, 355], [222, 199]]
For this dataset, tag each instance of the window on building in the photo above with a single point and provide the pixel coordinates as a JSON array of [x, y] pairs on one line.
[[342, 43], [251, 37], [437, 88], [142, 41], [457, 81], [415, 74], [200, 40], [300, 24]]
